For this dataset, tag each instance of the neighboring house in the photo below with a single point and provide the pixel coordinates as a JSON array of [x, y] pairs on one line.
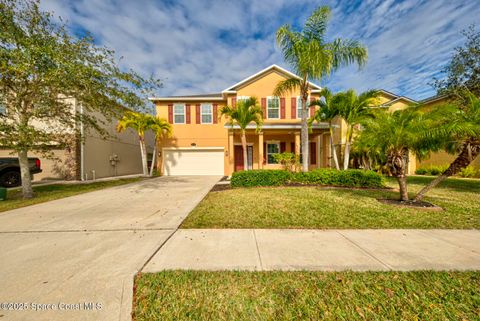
[[94, 157], [440, 158]]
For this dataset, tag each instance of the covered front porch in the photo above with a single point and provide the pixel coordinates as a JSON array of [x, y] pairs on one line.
[[277, 138]]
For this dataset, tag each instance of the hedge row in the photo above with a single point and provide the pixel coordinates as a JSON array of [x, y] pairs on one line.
[[323, 176]]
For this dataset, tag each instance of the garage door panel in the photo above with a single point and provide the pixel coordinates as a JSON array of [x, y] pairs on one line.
[[194, 162]]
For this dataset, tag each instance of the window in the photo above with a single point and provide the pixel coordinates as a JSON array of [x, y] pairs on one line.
[[206, 113], [273, 107], [239, 98], [272, 149], [299, 106], [179, 114]]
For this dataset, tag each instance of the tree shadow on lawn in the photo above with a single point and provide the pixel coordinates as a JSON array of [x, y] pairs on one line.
[[456, 184]]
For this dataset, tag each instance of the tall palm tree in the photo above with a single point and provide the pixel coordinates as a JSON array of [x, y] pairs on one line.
[[160, 127], [311, 57], [394, 135], [140, 123], [327, 112], [245, 112], [460, 132], [353, 108]]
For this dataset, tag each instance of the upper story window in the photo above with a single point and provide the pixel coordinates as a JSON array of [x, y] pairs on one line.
[[207, 114], [179, 114], [239, 98], [273, 107], [299, 106]]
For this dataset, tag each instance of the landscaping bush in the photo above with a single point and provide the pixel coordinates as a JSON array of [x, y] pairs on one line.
[[421, 171], [433, 170], [468, 172], [260, 177], [348, 178], [324, 176]]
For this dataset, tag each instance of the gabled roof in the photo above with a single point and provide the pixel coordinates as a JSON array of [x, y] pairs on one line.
[[273, 67], [395, 98], [434, 99]]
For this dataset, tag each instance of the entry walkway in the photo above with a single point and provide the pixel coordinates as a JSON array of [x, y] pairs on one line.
[[325, 250]]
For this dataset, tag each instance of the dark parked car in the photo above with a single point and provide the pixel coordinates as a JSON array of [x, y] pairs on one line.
[[10, 170]]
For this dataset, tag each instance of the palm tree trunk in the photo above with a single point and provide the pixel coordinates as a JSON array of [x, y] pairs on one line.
[[304, 134], [143, 151], [402, 183], [27, 190], [468, 154], [154, 158], [244, 147], [334, 150]]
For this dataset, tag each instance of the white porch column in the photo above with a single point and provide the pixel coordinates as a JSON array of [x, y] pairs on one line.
[[260, 150]]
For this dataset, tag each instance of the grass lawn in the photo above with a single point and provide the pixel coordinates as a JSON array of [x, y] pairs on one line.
[[52, 192], [425, 295], [312, 207]]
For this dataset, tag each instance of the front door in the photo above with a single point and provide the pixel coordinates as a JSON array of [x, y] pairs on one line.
[[238, 155]]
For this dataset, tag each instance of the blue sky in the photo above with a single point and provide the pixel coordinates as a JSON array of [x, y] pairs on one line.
[[204, 46]]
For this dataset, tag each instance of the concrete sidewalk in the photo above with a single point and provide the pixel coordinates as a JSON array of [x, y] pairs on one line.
[[328, 250]]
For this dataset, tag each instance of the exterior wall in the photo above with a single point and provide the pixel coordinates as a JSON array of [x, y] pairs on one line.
[[441, 158], [216, 135], [52, 168], [99, 151], [193, 134]]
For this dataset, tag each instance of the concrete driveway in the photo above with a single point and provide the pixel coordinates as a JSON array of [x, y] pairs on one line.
[[74, 258]]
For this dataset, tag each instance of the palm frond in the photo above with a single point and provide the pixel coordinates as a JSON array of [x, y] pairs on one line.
[[316, 24], [287, 86]]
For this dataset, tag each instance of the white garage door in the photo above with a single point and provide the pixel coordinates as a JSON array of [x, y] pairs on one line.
[[198, 161]]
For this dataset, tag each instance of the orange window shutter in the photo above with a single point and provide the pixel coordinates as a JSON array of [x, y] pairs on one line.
[[282, 108], [234, 101], [293, 111], [170, 113], [264, 108], [187, 112], [215, 112], [197, 113]]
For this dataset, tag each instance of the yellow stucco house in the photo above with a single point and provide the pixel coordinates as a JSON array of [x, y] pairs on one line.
[[204, 144]]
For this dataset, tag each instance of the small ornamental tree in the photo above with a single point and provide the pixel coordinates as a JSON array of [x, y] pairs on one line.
[[41, 67]]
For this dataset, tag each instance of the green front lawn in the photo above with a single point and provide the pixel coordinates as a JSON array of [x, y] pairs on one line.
[[52, 192], [425, 295], [313, 207]]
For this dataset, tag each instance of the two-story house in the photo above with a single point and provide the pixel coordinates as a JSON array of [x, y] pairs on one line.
[[203, 143]]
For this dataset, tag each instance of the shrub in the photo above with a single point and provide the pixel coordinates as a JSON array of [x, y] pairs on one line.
[[421, 171], [260, 177], [324, 176], [290, 161], [468, 172], [348, 178], [432, 170]]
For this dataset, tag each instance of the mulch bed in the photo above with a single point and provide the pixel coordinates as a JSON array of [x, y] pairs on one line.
[[220, 187], [411, 204]]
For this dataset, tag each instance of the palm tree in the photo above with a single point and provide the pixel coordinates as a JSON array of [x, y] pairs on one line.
[[245, 112], [394, 135], [327, 112], [460, 132], [311, 57], [160, 127], [353, 108], [140, 123]]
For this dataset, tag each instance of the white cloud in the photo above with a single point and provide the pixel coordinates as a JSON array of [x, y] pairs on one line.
[[200, 46]]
